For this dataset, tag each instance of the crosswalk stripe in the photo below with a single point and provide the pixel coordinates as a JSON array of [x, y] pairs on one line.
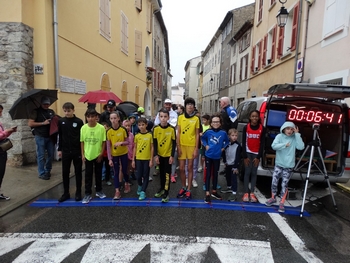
[[124, 248]]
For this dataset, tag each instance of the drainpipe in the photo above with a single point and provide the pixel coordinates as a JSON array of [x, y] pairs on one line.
[[55, 37], [298, 40]]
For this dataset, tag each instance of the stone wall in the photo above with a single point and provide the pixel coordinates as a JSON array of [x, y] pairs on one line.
[[16, 78]]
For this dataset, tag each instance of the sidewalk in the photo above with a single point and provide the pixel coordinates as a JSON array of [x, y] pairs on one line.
[[22, 185]]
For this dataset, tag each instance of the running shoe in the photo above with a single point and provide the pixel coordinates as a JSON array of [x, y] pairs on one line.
[[165, 198], [194, 183], [181, 193], [227, 190], [142, 196], [100, 194], [245, 197], [159, 193], [139, 189], [232, 198], [109, 183], [216, 195], [173, 179], [117, 195], [207, 199], [188, 195], [281, 208], [86, 199], [200, 169], [64, 197], [270, 201], [253, 198], [127, 188]]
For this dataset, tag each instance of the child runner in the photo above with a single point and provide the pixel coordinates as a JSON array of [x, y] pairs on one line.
[[214, 140], [106, 169], [164, 141], [205, 126], [117, 148], [251, 151], [69, 150], [187, 141], [93, 141], [285, 144], [232, 157], [131, 145], [142, 159]]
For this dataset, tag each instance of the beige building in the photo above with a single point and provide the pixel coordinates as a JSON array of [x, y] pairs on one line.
[[274, 48], [74, 46], [327, 40]]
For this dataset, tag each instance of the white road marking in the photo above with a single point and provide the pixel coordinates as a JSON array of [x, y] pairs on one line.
[[124, 248], [289, 234]]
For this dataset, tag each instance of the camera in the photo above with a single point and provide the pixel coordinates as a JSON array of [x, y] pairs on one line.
[[316, 126]]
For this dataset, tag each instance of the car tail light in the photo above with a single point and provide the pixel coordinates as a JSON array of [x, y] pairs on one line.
[[262, 111]]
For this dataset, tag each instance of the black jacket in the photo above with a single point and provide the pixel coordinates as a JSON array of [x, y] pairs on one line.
[[69, 135]]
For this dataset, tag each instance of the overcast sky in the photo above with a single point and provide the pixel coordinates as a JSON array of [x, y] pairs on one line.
[[191, 24]]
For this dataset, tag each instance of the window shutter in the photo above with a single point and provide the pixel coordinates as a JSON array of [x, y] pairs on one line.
[[260, 54], [138, 46], [260, 10], [294, 27], [273, 46], [240, 69], [280, 42], [264, 51], [138, 4], [246, 66], [253, 60]]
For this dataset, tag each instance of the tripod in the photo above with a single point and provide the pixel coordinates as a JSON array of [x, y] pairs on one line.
[[315, 143]]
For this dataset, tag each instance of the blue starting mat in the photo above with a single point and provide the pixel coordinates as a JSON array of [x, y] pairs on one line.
[[173, 203]]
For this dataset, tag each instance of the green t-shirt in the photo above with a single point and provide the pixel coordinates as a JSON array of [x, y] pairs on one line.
[[143, 143], [92, 137]]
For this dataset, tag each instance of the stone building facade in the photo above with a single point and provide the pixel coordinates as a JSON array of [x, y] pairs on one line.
[[16, 78]]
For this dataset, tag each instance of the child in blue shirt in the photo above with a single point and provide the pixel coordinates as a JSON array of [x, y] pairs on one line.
[[285, 145], [214, 140]]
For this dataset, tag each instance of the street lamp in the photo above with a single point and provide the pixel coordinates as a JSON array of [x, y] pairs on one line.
[[282, 15]]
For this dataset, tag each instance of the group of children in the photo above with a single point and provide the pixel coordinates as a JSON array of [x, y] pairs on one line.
[[92, 143]]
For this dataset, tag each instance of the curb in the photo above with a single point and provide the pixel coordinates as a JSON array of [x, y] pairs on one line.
[[343, 187]]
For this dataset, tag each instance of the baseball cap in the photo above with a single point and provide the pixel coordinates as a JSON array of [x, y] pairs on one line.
[[45, 100], [168, 101], [141, 109], [111, 103]]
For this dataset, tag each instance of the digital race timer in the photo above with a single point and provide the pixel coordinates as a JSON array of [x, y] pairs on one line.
[[315, 116]]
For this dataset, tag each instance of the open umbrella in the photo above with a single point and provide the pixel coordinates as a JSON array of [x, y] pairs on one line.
[[99, 96], [127, 107], [29, 101]]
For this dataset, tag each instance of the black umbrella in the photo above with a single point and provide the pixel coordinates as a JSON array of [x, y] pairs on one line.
[[127, 107], [29, 101]]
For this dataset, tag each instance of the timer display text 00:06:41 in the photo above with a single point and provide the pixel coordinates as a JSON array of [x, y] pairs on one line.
[[315, 116]]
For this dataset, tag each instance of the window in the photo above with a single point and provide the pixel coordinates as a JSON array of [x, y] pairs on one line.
[[124, 33], [105, 19], [280, 42], [233, 74], [138, 5], [260, 12], [244, 42], [138, 46], [256, 57], [243, 70], [234, 49], [336, 17], [227, 77], [271, 50]]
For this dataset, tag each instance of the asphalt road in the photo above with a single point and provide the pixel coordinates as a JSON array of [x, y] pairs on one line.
[[153, 234]]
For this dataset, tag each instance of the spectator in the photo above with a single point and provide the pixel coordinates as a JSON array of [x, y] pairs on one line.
[[228, 113], [105, 115], [39, 121], [3, 155]]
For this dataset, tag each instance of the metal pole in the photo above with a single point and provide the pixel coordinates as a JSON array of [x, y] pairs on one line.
[[55, 37]]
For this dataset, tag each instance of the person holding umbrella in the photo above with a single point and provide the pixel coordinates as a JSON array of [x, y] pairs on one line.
[[39, 121], [3, 155], [105, 115]]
